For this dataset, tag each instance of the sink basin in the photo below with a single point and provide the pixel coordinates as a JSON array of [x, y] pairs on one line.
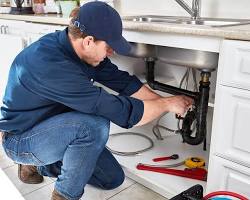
[[201, 60], [216, 22], [212, 22], [140, 50], [160, 19]]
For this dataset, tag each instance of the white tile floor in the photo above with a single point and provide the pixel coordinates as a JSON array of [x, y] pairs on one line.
[[128, 190]]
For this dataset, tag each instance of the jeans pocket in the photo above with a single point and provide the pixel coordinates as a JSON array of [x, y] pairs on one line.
[[4, 142], [11, 154], [28, 158], [10, 146]]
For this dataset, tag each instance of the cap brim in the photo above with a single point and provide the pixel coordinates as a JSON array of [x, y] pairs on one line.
[[120, 46]]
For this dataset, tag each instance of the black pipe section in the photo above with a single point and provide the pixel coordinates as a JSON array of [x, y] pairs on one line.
[[200, 115], [201, 104], [155, 85]]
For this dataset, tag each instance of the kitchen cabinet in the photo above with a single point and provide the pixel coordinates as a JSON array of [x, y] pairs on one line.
[[230, 149], [34, 31], [11, 45], [230, 176], [12, 40], [14, 36], [230, 152], [234, 69], [231, 125]]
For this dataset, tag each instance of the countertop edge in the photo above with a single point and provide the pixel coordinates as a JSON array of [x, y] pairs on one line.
[[241, 32]]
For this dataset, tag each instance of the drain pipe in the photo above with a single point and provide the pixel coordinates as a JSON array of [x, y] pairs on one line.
[[199, 114], [201, 103], [155, 85]]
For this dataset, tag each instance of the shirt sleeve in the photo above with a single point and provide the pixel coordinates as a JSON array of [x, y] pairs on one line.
[[73, 89], [109, 75]]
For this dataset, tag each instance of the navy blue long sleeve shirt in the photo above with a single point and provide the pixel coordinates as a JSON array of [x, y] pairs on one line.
[[48, 78]]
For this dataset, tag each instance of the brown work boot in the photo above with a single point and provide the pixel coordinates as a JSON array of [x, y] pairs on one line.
[[29, 174], [57, 196]]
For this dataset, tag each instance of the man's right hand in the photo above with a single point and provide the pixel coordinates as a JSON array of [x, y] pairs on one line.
[[156, 107], [178, 104]]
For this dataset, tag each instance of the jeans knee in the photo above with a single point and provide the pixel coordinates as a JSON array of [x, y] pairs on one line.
[[101, 132], [97, 131], [103, 129], [117, 179]]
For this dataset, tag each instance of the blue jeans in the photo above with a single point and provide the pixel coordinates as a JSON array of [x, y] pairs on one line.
[[71, 147]]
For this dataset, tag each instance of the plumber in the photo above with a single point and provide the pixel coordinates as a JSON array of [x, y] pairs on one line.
[[55, 122]]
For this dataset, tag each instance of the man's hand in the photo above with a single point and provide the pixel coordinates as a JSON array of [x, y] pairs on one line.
[[178, 104], [156, 107]]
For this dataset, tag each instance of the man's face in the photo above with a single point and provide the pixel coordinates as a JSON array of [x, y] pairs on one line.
[[97, 52]]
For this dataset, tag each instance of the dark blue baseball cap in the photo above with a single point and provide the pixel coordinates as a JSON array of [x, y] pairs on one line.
[[100, 20]]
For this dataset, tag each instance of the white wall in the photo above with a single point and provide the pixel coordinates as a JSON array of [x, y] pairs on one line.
[[210, 8]]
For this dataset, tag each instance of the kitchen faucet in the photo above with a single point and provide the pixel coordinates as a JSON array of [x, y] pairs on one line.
[[194, 11]]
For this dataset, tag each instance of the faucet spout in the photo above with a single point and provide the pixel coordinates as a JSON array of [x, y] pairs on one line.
[[194, 11], [196, 7]]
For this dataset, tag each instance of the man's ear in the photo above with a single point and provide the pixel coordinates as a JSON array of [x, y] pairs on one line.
[[87, 41]]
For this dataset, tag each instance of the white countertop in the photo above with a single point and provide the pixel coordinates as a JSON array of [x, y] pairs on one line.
[[234, 32], [241, 32]]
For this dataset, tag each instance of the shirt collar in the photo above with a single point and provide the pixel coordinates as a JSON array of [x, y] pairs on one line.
[[66, 45], [65, 42]]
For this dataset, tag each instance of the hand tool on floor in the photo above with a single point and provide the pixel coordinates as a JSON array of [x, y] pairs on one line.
[[193, 173], [195, 162], [192, 162], [172, 157]]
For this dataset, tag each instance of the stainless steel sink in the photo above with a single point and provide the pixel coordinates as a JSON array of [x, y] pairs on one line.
[[202, 60], [217, 22], [160, 19], [212, 22], [140, 50]]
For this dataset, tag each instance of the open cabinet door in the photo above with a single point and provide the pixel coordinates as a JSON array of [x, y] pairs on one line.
[[10, 46]]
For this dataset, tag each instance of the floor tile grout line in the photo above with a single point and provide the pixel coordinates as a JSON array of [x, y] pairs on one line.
[[24, 194], [35, 190], [54, 182], [43, 185], [121, 191], [4, 168]]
